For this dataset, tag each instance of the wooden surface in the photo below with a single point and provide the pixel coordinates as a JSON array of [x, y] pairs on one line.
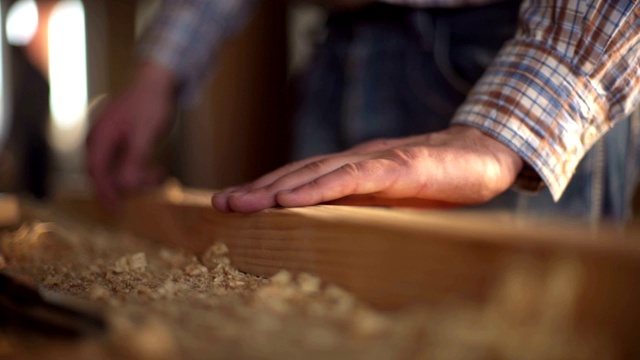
[[9, 210], [395, 258]]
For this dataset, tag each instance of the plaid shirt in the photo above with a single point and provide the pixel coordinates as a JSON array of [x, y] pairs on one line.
[[571, 72]]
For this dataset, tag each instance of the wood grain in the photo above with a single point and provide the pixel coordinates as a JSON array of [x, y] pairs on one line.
[[9, 210], [396, 258]]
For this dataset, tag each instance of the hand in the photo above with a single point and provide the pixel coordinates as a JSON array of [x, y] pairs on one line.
[[460, 165], [122, 140]]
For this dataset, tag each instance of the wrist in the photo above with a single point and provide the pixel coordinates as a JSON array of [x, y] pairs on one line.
[[508, 160], [152, 76]]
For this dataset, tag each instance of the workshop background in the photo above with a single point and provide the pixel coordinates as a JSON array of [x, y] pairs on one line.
[[60, 59]]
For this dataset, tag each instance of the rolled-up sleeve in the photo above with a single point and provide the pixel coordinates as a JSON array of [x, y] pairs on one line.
[[185, 36], [568, 76]]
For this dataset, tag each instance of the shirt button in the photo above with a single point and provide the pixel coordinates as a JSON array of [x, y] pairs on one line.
[[589, 136]]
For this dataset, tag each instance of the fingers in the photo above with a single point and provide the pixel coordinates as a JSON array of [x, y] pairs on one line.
[[261, 193], [273, 176], [294, 174], [455, 166], [100, 162], [219, 200], [365, 177], [118, 159], [314, 183], [134, 172]]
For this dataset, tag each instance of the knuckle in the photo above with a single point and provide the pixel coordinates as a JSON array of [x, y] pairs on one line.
[[406, 157], [351, 169], [316, 166]]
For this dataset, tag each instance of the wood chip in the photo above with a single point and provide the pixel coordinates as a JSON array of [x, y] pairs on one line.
[[137, 262], [282, 277], [308, 283], [196, 269], [97, 292]]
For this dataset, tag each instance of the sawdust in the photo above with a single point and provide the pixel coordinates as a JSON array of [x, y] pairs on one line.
[[164, 303]]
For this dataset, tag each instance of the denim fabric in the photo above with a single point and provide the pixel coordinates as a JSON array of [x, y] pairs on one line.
[[391, 71]]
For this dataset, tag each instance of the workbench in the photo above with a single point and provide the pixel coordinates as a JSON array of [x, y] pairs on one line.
[[479, 276]]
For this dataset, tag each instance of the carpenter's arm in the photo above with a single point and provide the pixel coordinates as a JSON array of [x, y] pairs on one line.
[[174, 58]]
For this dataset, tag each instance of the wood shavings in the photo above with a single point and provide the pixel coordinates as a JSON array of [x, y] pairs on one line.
[[341, 301], [173, 258], [38, 241], [196, 269], [52, 280], [308, 283], [282, 278], [368, 323], [215, 255], [150, 339], [321, 338], [121, 265], [136, 262], [165, 303], [217, 249], [97, 292], [267, 322]]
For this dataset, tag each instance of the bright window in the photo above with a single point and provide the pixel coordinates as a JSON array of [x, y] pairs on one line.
[[68, 75]]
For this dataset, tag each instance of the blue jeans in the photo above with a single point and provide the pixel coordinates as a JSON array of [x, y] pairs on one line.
[[388, 71]]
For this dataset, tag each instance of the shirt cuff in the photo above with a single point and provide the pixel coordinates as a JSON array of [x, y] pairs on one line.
[[535, 101]]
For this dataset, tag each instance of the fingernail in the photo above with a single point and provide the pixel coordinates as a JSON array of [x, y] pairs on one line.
[[238, 194]]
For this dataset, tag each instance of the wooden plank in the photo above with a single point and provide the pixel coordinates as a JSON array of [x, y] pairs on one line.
[[395, 258], [9, 210]]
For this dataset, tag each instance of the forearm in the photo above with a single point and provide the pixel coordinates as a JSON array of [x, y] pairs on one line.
[[185, 36], [155, 77], [555, 89]]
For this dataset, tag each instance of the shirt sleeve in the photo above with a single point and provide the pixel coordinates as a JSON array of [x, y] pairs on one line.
[[568, 76], [185, 36]]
